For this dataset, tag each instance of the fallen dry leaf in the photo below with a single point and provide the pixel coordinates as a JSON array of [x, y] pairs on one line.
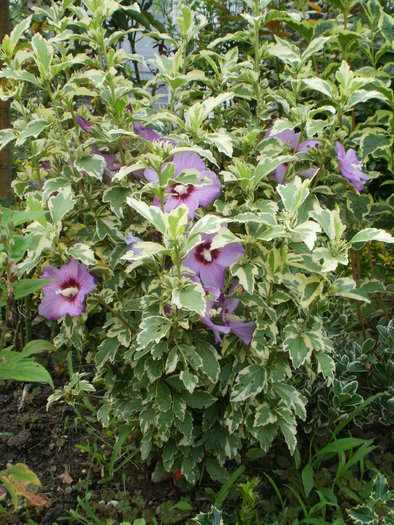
[[65, 477]]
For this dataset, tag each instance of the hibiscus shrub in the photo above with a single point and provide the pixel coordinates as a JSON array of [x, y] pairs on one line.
[[203, 238]]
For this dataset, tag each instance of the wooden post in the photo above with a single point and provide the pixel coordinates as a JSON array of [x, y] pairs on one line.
[[5, 154]]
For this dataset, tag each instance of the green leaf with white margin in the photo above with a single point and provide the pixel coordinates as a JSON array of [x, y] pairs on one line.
[[294, 193], [176, 221], [83, 253], [33, 129], [153, 214], [362, 95], [325, 366], [245, 274], [330, 221], [152, 328], [191, 356], [297, 344], [250, 382], [116, 196], [282, 124], [285, 51], [208, 224], [222, 141], [291, 397], [288, 426], [264, 416], [61, 204], [144, 250], [309, 288], [189, 380], [371, 234], [190, 297], [317, 84], [93, 165], [266, 165], [6, 136], [18, 30], [307, 232], [346, 287], [210, 359], [316, 45], [222, 238], [43, 54], [363, 515]]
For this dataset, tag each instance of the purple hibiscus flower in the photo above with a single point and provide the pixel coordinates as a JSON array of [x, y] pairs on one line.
[[289, 137], [210, 264], [66, 294], [146, 133], [224, 306], [190, 195], [351, 167], [131, 241], [84, 124]]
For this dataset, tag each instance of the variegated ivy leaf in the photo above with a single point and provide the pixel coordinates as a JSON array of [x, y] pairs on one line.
[[93, 165], [6, 136], [83, 253], [33, 129], [298, 345], [210, 359], [266, 165], [189, 380], [61, 204], [116, 196], [371, 234], [325, 366], [222, 238], [192, 358], [250, 381], [245, 274], [329, 260], [309, 288], [288, 426], [285, 51], [346, 287], [208, 224], [153, 214], [43, 55], [190, 297], [330, 221], [152, 328], [307, 232], [222, 141], [291, 397], [264, 416], [176, 221], [294, 193]]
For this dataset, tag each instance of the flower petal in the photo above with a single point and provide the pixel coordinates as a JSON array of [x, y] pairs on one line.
[[230, 254], [212, 275]]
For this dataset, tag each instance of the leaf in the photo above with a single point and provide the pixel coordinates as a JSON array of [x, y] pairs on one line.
[[83, 253], [23, 370], [176, 221], [61, 204], [346, 287], [116, 196], [307, 477], [93, 165], [33, 129], [17, 480], [294, 193], [191, 356], [189, 380], [36, 347], [151, 213], [326, 366], [250, 381], [208, 224], [222, 141], [43, 54], [153, 328], [190, 297], [65, 478], [318, 84], [210, 360], [266, 165], [371, 234], [245, 274], [299, 348], [25, 287], [6, 136], [285, 51], [291, 397]]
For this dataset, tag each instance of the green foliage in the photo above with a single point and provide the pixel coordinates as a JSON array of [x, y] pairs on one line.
[[197, 400]]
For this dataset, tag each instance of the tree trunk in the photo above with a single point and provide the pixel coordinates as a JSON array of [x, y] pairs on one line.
[[5, 154]]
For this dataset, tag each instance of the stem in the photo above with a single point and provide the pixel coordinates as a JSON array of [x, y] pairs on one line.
[[27, 319], [115, 313], [359, 311], [311, 307], [380, 299]]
